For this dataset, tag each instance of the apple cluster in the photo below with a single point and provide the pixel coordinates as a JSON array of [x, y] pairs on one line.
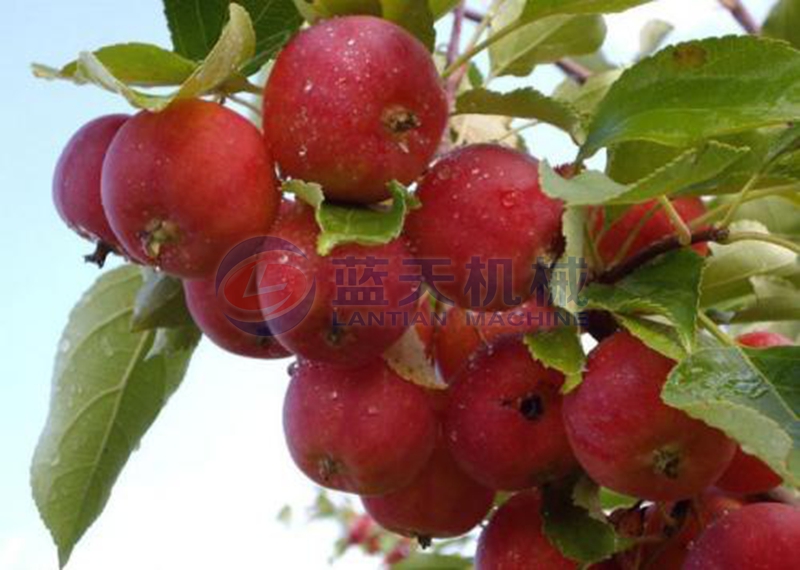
[[352, 104]]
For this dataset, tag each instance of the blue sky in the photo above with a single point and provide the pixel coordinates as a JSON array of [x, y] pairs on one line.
[[205, 487]]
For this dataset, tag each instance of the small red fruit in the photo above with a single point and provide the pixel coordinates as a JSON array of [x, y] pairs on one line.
[[183, 186], [361, 529], [353, 103], [442, 501], [76, 183], [514, 539], [483, 205], [747, 474], [205, 306], [464, 333], [400, 552], [670, 528], [364, 430], [650, 223], [764, 536], [504, 424], [337, 328], [763, 339], [627, 439]]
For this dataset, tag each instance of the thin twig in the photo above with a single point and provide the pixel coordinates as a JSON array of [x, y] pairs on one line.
[[452, 54], [684, 233], [455, 33], [787, 190], [712, 327], [740, 199], [660, 247], [742, 15], [574, 70], [632, 236], [517, 130], [473, 15]]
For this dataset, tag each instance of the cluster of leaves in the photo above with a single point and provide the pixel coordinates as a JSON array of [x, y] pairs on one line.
[[711, 118]]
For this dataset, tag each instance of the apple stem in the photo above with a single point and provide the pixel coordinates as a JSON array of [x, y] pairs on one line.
[[99, 255], [684, 233], [712, 327]]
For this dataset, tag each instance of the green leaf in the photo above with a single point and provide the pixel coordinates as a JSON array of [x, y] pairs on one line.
[[354, 224], [660, 337], [561, 350], [585, 98], [160, 303], [308, 192], [729, 269], [492, 129], [781, 215], [590, 187], [668, 286], [570, 271], [651, 36], [440, 8], [535, 9], [631, 161], [414, 16], [410, 359], [109, 385], [139, 64], [330, 8], [595, 62], [524, 103], [574, 531], [692, 167], [236, 46], [586, 494], [774, 299], [92, 70], [610, 500], [285, 515], [543, 41], [700, 89], [195, 25], [751, 395], [275, 22], [783, 22], [421, 561]]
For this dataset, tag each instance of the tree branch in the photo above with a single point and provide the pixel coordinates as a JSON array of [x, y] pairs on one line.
[[742, 15], [452, 53], [455, 34], [660, 247], [574, 70]]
